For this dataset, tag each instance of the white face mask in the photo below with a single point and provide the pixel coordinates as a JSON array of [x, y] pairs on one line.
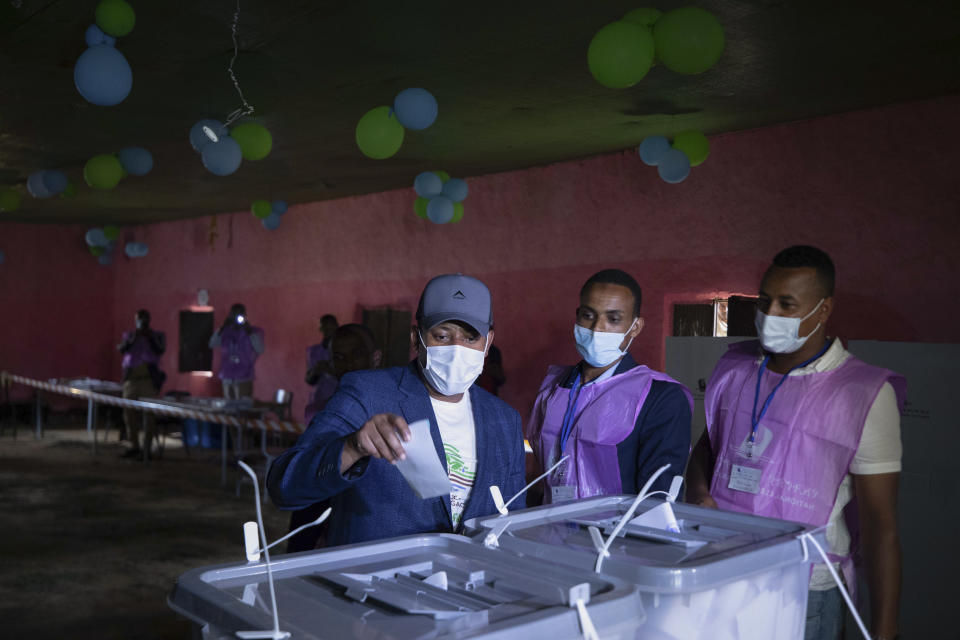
[[782, 335], [600, 348], [451, 369]]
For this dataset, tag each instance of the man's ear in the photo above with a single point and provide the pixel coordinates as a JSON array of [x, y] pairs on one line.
[[826, 308], [637, 327]]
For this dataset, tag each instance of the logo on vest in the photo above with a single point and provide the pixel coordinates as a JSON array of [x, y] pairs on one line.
[[764, 438]]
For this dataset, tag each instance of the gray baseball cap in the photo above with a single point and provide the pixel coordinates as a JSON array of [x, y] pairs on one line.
[[454, 296]]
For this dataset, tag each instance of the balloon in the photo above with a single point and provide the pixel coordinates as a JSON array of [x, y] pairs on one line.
[[96, 238], [674, 166], [115, 17], [105, 259], [415, 108], [428, 184], [620, 54], [652, 149], [95, 36], [199, 139], [271, 222], [443, 175], [54, 181], [278, 207], [222, 158], [379, 133], [647, 16], [440, 210], [97, 251], [70, 191], [103, 76], [254, 140], [103, 171], [9, 200], [694, 144], [689, 40], [261, 208], [111, 232], [420, 207], [455, 189], [457, 212], [36, 185], [135, 249], [136, 160]]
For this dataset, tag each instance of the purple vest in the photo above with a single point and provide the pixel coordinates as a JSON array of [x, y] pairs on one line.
[[237, 355], [606, 414], [139, 353]]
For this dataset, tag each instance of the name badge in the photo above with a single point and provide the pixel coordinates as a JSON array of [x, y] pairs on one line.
[[745, 479], [563, 493]]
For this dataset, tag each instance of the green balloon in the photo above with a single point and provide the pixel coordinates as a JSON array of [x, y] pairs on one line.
[[694, 144], [620, 54], [261, 208], [457, 212], [420, 207], [103, 171], [443, 175], [9, 200], [647, 16], [379, 133], [689, 40], [111, 232], [70, 191], [254, 140], [115, 17], [96, 251]]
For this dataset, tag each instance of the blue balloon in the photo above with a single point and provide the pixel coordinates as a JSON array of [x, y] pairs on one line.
[[136, 161], [222, 158], [674, 166], [2, 257], [37, 186], [278, 207], [271, 222], [199, 139], [95, 238], [103, 76], [105, 259], [428, 184], [652, 149], [455, 189], [95, 36], [415, 108], [54, 181], [440, 210], [135, 249]]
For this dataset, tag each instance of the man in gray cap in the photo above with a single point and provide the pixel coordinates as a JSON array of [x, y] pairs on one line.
[[346, 454]]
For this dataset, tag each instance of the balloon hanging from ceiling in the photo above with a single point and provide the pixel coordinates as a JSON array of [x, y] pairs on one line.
[[673, 162], [689, 40], [9, 200], [439, 197], [380, 132], [102, 74]]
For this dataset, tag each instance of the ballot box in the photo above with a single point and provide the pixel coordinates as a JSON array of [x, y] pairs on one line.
[[426, 586], [719, 576]]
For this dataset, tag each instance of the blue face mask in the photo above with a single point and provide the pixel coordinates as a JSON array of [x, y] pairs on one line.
[[600, 348]]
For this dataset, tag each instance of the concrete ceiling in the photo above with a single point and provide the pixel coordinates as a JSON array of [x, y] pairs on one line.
[[510, 77]]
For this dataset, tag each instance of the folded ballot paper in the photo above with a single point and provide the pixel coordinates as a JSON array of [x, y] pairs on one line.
[[422, 469]]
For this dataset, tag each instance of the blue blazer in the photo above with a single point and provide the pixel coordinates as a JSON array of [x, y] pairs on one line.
[[372, 500]]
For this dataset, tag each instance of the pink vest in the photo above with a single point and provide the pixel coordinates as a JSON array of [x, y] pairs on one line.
[[805, 442], [237, 355], [606, 414], [139, 353]]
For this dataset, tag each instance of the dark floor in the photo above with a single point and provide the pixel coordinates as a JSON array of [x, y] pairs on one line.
[[90, 546]]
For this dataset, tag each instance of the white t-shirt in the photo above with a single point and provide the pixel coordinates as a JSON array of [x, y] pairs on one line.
[[458, 432], [879, 451]]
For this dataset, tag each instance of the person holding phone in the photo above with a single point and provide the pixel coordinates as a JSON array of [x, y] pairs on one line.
[[240, 345]]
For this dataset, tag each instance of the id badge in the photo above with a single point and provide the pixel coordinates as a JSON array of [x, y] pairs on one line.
[[563, 493], [746, 479]]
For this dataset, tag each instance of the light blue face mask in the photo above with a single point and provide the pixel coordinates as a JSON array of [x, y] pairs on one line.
[[600, 348]]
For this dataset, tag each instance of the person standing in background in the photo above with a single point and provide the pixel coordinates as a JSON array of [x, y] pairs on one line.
[[142, 378], [493, 376], [320, 368], [240, 345]]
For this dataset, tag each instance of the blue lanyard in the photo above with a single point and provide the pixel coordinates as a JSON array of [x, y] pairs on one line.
[[754, 418], [567, 425]]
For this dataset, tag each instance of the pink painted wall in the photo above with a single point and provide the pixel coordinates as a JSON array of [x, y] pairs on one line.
[[875, 189]]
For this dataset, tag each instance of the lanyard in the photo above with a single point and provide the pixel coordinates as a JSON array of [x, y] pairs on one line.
[[754, 418], [567, 425]]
